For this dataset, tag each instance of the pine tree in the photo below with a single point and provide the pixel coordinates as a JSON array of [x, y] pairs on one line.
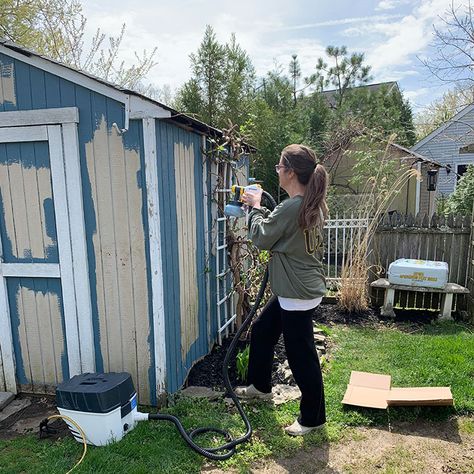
[[461, 201], [343, 74], [208, 65], [295, 74], [238, 84], [189, 99]]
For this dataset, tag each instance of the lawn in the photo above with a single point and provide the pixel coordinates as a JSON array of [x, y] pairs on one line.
[[439, 354]]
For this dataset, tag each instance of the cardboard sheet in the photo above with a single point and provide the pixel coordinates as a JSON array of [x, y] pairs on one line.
[[374, 391], [367, 390], [437, 396]]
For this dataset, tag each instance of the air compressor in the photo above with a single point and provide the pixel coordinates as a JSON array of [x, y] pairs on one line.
[[101, 408]]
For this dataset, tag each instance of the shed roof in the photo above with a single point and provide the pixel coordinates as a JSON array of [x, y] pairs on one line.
[[173, 115]]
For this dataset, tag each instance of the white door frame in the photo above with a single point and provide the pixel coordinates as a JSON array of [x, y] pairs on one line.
[[59, 128]]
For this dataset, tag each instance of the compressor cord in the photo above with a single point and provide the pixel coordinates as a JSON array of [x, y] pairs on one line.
[[224, 451], [44, 425]]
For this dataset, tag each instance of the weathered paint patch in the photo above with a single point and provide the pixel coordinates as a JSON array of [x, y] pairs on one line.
[[200, 346], [186, 218], [38, 332], [28, 154], [21, 358], [7, 81], [27, 223], [120, 256]]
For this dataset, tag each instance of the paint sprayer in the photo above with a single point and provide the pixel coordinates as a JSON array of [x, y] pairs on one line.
[[101, 408], [236, 207]]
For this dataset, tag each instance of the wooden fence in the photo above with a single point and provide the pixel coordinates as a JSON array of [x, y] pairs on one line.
[[440, 238], [470, 272]]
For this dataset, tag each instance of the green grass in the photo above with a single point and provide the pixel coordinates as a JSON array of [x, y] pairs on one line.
[[441, 354], [435, 355]]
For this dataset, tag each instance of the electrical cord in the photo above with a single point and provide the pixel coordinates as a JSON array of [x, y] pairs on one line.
[[45, 429], [224, 451]]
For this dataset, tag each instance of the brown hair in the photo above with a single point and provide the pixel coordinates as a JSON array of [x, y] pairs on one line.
[[302, 160]]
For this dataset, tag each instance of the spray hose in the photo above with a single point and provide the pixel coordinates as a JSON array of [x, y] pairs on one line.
[[224, 451]]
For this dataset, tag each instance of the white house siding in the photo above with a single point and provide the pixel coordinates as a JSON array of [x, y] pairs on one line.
[[444, 148]]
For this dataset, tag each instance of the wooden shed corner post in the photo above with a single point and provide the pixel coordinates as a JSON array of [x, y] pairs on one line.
[[470, 272], [154, 241]]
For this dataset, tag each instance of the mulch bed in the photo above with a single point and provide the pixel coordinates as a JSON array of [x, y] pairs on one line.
[[208, 371]]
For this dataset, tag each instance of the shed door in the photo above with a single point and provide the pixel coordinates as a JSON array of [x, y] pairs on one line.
[[37, 292]]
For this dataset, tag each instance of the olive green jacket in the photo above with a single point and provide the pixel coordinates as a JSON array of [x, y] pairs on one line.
[[295, 268]]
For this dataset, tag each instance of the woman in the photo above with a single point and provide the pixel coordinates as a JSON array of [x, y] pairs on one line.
[[293, 233]]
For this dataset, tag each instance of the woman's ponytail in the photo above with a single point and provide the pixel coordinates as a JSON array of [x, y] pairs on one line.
[[303, 161], [314, 209]]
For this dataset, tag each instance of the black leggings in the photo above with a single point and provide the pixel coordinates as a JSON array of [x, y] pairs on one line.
[[297, 328]]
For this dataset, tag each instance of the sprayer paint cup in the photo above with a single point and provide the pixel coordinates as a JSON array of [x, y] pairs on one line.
[[234, 209]]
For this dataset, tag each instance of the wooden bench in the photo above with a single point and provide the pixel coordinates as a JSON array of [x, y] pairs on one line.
[[446, 295]]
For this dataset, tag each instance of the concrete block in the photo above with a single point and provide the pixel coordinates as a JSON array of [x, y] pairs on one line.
[[5, 399]]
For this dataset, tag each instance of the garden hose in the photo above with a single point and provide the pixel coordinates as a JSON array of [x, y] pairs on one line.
[[224, 451]]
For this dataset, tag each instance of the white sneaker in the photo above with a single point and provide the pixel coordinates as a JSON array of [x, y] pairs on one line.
[[251, 392], [299, 430]]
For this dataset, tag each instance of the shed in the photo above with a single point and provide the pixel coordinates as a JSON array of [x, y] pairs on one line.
[[109, 249]]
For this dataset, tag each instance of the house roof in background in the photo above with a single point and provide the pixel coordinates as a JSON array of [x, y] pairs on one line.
[[330, 95], [417, 156], [444, 126]]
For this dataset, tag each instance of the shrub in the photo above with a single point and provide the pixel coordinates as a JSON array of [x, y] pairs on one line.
[[462, 200]]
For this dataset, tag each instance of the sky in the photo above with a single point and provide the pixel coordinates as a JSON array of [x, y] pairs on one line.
[[393, 34]]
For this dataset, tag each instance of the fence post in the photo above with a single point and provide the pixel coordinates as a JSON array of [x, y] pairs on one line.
[[470, 270]]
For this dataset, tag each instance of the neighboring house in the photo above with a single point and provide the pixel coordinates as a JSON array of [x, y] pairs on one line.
[[340, 169], [107, 242], [451, 145]]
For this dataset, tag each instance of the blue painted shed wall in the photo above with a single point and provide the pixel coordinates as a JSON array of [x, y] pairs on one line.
[[167, 136], [212, 262], [37, 89]]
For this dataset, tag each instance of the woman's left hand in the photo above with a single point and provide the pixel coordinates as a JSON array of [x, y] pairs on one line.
[[252, 197]]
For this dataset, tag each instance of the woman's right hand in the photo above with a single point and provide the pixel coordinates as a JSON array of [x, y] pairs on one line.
[[252, 197]]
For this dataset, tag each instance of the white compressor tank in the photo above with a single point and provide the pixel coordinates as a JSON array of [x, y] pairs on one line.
[[103, 405]]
